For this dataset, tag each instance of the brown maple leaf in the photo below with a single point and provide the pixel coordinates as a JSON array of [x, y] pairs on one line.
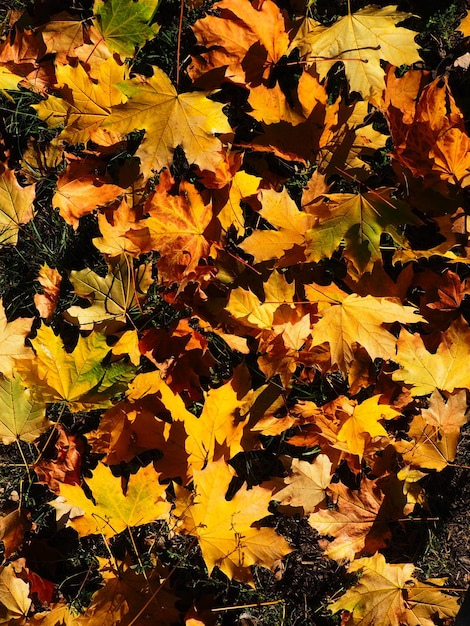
[[360, 522]]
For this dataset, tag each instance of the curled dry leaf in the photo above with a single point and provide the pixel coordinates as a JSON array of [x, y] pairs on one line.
[[65, 464], [50, 281]]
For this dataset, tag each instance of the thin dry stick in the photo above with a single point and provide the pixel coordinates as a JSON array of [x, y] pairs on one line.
[[246, 606], [178, 46]]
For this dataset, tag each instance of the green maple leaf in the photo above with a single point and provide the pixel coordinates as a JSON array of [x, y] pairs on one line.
[[358, 220], [125, 25]]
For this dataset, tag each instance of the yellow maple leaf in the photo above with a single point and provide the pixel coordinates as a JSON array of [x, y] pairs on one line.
[[16, 205], [285, 244], [241, 186], [128, 344], [226, 529], [85, 103], [169, 120], [361, 40], [112, 510], [464, 26], [244, 305], [364, 423], [435, 432], [446, 369], [389, 595], [360, 320], [12, 338], [222, 421]]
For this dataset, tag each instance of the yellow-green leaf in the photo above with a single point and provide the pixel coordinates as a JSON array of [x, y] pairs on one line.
[[20, 416], [79, 378], [114, 511]]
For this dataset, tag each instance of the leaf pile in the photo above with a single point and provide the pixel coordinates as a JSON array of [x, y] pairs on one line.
[[255, 247]]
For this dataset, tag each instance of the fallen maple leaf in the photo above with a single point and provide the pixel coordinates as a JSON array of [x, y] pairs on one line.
[[360, 522], [244, 305], [79, 378], [389, 595], [286, 243], [65, 464], [13, 527], [364, 423], [221, 424], [169, 120], [12, 341], [464, 26], [16, 205], [85, 103], [306, 485], [227, 530], [429, 136], [62, 34], [125, 25], [14, 596], [112, 511], [21, 417], [242, 186], [80, 191], [360, 320], [176, 226], [23, 54], [114, 224], [435, 432], [113, 296], [359, 220], [245, 40], [361, 40], [445, 369]]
